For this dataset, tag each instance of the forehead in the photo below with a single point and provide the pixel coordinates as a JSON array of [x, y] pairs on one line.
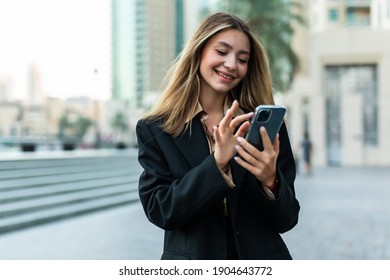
[[232, 38]]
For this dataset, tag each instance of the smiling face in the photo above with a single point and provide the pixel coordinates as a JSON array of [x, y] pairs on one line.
[[224, 61]]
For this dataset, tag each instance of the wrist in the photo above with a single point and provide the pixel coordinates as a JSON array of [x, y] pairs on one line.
[[222, 166], [271, 183]]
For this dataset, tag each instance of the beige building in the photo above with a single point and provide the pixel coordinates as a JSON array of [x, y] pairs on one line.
[[159, 41], [143, 47], [341, 96], [24, 122]]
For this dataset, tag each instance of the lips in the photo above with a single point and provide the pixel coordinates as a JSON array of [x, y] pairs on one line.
[[224, 75]]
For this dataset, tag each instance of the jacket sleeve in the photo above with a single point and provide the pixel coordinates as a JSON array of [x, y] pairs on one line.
[[171, 202], [281, 213]]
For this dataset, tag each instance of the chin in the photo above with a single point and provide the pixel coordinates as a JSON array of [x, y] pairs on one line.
[[222, 91]]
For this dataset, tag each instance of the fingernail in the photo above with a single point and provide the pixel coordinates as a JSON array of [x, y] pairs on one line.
[[239, 139], [237, 147], [262, 128], [236, 158]]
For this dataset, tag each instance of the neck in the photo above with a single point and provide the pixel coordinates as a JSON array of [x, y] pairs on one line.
[[212, 103]]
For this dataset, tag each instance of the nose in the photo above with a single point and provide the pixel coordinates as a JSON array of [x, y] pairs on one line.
[[230, 62]]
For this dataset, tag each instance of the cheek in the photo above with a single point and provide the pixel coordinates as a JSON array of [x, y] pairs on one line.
[[205, 62], [202, 70], [202, 67], [243, 71]]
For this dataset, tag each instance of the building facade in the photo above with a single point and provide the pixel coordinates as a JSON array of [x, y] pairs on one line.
[[143, 46], [341, 95], [123, 50]]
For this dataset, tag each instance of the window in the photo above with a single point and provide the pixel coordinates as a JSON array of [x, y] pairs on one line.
[[358, 17], [333, 15], [361, 80], [388, 9]]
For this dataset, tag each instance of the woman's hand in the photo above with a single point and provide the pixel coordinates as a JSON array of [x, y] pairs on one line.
[[225, 139], [262, 164]]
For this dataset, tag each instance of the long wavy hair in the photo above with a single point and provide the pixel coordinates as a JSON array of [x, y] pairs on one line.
[[181, 86]]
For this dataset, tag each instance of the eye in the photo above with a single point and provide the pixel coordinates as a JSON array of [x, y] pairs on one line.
[[242, 60], [221, 52]]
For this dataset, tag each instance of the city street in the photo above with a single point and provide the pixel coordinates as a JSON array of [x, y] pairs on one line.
[[344, 216]]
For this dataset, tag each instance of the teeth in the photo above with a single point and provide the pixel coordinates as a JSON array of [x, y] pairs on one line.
[[226, 77]]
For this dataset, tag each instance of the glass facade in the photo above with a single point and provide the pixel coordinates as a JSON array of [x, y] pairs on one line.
[[143, 46], [333, 15], [332, 116], [358, 16], [360, 80], [124, 74], [179, 25], [140, 51], [388, 9]]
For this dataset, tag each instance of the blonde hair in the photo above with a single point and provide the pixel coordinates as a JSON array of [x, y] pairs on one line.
[[181, 92]]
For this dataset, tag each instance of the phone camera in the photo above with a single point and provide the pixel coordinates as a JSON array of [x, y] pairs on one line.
[[264, 115]]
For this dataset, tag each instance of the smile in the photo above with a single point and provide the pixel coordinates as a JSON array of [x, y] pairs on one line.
[[225, 76]]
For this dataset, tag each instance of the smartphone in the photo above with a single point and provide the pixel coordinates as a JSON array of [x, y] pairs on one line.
[[269, 116]]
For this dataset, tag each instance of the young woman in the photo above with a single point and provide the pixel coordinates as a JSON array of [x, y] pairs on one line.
[[215, 195]]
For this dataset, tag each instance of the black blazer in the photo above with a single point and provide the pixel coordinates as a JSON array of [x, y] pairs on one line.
[[182, 191]]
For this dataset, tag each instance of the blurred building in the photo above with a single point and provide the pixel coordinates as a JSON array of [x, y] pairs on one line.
[[341, 96], [5, 88], [195, 11], [10, 127], [35, 95], [147, 35], [143, 46], [34, 121]]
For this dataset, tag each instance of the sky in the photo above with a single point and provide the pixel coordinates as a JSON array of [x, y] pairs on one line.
[[67, 40]]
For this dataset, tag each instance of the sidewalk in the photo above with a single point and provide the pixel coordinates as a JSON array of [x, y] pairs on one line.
[[48, 154], [117, 234], [345, 215]]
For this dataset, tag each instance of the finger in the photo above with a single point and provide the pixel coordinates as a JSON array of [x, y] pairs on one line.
[[245, 164], [225, 120], [229, 114], [243, 129], [240, 118], [265, 138], [217, 137], [252, 150], [276, 145], [243, 154]]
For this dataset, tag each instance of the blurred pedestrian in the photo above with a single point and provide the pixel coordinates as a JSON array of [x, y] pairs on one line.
[[215, 195], [307, 149]]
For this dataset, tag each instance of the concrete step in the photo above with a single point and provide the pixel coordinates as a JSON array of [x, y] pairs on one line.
[[34, 191], [25, 183], [35, 218], [7, 165], [65, 188], [37, 204], [24, 172]]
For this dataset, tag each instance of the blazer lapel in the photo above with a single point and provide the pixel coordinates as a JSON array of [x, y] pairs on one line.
[[193, 145]]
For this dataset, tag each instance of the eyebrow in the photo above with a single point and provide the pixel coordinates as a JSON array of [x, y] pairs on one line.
[[230, 47]]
